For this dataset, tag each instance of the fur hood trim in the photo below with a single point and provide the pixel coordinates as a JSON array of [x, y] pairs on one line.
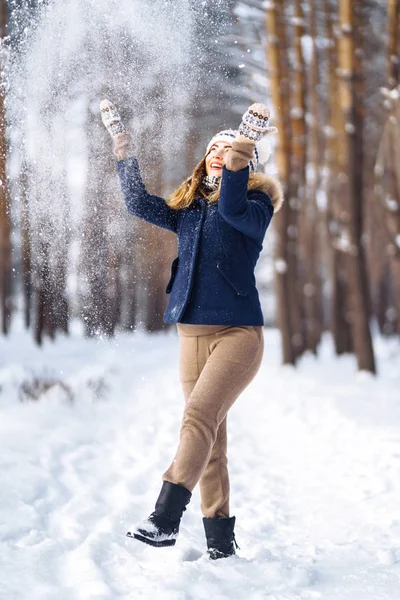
[[269, 185]]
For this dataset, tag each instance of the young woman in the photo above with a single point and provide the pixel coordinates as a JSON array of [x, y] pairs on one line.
[[220, 215]]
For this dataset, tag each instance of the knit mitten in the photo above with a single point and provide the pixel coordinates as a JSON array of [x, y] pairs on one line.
[[112, 122], [254, 126]]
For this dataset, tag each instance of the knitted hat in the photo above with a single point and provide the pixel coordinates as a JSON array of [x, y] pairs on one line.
[[227, 135], [262, 151]]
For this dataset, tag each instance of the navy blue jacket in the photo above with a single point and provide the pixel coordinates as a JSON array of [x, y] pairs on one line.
[[212, 279]]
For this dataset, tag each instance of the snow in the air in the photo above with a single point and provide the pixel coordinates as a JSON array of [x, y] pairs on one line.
[[315, 472]]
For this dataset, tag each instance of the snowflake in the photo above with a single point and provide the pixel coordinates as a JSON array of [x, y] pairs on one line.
[[280, 265]]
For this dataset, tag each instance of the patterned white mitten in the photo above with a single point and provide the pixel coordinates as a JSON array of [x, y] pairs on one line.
[[112, 122], [111, 118], [255, 123], [246, 147]]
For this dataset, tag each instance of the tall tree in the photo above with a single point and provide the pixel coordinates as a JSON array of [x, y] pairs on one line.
[[25, 245], [351, 102], [5, 220], [278, 76], [310, 221], [297, 177], [336, 204], [393, 45], [387, 171]]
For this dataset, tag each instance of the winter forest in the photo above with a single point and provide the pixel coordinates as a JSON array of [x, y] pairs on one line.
[[329, 71], [90, 402]]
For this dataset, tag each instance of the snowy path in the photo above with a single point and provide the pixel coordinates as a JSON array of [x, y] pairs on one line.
[[314, 460]]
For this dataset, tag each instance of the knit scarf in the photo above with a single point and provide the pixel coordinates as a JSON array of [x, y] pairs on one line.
[[211, 182]]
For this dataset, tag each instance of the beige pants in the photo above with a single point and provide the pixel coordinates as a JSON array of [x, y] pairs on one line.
[[216, 364]]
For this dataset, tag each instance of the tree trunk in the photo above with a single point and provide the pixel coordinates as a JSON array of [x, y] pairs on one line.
[[155, 241], [277, 73], [42, 308], [5, 221], [296, 190], [335, 163], [351, 103], [393, 44], [96, 299], [25, 245], [309, 225]]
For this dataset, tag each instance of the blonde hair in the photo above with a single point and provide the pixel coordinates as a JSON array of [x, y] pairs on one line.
[[193, 188], [190, 189]]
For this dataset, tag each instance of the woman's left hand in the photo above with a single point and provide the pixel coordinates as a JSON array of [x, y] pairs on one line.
[[255, 123]]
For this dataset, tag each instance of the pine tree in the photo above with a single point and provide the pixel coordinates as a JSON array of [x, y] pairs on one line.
[[5, 219]]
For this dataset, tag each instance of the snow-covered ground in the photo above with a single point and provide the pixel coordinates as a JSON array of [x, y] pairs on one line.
[[314, 461]]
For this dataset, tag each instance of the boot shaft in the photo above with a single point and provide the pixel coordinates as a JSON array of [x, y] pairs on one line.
[[172, 501], [220, 536]]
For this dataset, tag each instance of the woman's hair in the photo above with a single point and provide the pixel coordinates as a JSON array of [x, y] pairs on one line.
[[193, 188], [190, 189]]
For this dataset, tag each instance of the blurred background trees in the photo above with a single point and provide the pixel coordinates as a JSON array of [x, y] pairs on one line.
[[335, 246], [179, 72]]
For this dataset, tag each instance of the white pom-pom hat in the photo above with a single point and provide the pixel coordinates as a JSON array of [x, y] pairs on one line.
[[262, 150]]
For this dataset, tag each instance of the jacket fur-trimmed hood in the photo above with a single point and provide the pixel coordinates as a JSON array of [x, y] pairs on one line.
[[269, 185]]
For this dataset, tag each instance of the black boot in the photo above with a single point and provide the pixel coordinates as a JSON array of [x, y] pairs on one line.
[[221, 541], [161, 528]]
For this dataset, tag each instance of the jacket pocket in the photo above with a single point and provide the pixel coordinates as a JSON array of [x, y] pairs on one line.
[[236, 277], [174, 269]]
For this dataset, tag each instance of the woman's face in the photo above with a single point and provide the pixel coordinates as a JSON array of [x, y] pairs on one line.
[[216, 157]]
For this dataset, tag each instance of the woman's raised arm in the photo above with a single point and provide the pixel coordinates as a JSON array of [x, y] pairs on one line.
[[250, 216], [139, 202]]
